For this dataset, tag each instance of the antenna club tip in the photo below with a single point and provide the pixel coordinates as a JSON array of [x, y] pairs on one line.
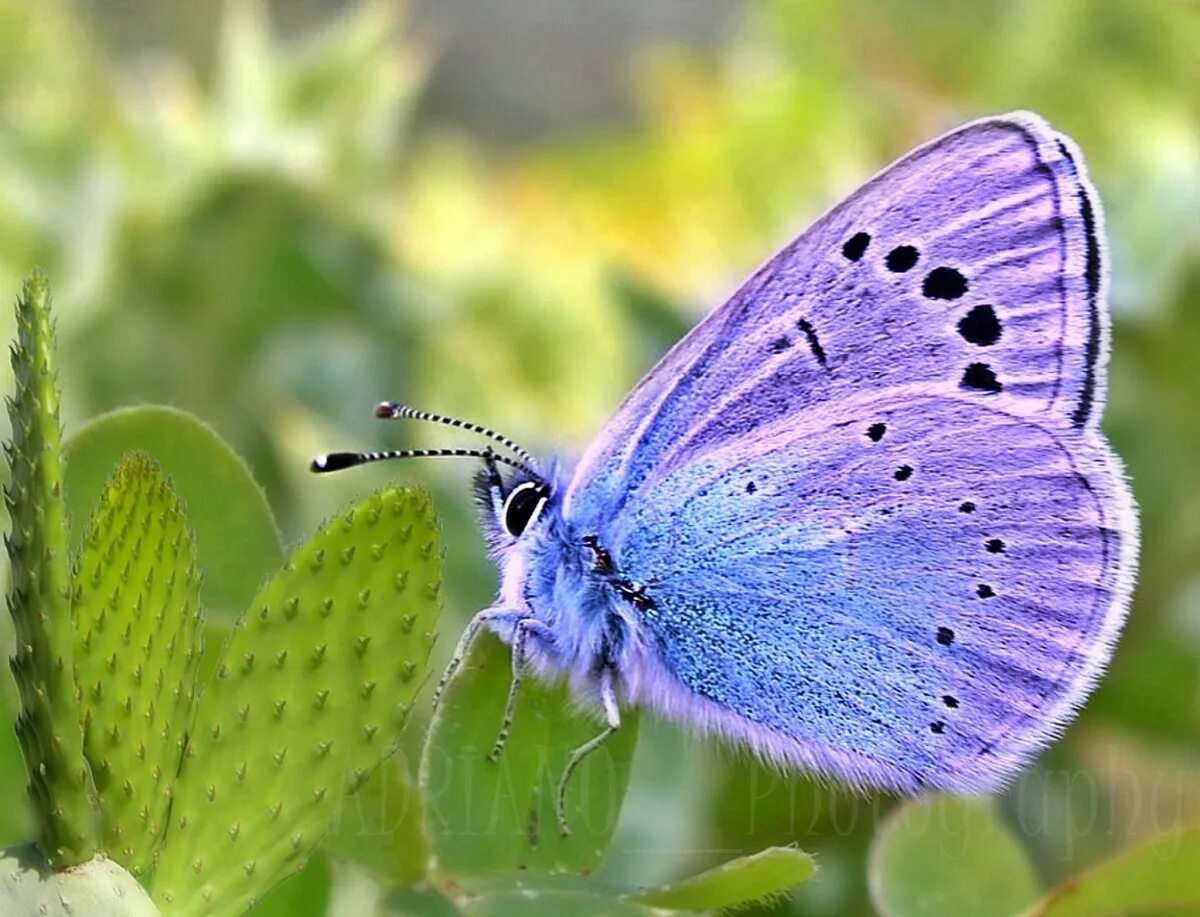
[[336, 461], [386, 409]]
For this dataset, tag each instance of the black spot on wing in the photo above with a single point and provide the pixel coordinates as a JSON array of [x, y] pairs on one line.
[[981, 377], [903, 473], [945, 636], [875, 431], [944, 283], [856, 246], [780, 344], [901, 258], [980, 326], [814, 343]]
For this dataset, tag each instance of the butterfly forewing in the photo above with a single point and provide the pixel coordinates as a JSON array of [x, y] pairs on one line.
[[973, 265]]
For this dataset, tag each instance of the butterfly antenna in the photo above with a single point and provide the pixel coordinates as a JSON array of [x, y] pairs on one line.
[[390, 410], [337, 461]]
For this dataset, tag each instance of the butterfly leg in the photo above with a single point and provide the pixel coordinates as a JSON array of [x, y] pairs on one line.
[[470, 632], [521, 633], [612, 716]]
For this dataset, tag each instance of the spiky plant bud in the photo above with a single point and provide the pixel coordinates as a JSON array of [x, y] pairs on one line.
[[39, 596], [136, 606]]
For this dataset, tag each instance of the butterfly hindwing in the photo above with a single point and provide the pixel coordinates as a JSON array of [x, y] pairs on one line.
[[973, 265], [907, 590]]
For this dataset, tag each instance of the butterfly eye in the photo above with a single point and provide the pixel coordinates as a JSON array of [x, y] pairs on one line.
[[523, 506]]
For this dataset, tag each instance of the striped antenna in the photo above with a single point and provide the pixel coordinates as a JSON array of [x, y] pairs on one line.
[[390, 410], [337, 461]]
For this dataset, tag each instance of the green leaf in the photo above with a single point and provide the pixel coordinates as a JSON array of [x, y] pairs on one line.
[[484, 816], [765, 874], [307, 892], [533, 881], [533, 903], [138, 641], [39, 593], [309, 698], [236, 538], [949, 855], [754, 804], [379, 827], [1163, 873], [416, 902]]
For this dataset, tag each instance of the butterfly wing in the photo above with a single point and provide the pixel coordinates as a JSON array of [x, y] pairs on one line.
[[973, 264], [903, 590], [882, 534]]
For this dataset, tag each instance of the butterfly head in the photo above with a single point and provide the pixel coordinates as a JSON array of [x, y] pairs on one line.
[[515, 508]]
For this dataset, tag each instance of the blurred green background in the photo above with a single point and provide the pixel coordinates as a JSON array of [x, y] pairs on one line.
[[276, 216]]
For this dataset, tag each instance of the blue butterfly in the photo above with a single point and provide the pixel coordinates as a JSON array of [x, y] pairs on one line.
[[861, 519]]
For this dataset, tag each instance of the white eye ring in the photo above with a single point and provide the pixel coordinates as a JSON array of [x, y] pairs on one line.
[[519, 515]]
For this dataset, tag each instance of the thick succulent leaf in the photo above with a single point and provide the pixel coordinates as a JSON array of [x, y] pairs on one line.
[[416, 902], [380, 827], [515, 892], [1157, 876], [530, 903], [307, 892], [97, 887], [532, 882], [138, 641], [949, 855], [216, 635], [766, 874], [484, 816], [39, 594], [236, 538], [308, 699]]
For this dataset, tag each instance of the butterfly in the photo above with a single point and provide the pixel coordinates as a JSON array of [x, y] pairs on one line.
[[861, 519]]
